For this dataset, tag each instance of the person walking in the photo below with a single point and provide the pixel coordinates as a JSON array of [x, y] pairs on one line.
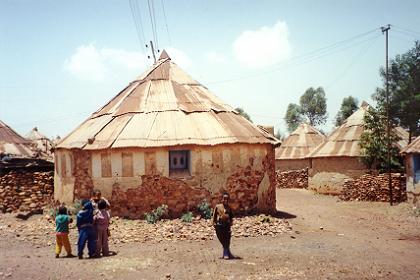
[[222, 222]]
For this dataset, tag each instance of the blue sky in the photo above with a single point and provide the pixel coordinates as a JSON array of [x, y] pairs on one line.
[[61, 60]]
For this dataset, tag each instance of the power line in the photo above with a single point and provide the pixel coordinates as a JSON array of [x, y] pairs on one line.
[[310, 56], [152, 21], [166, 22], [136, 14], [406, 30]]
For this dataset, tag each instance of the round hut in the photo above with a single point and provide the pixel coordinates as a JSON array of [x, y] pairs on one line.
[[12, 145], [166, 139], [294, 150]]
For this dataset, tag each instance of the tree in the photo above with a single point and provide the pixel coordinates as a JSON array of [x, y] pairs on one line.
[[348, 106], [313, 105], [373, 142], [404, 90], [293, 117], [243, 114], [279, 135]]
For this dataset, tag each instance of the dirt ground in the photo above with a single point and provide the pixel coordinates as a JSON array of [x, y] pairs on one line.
[[330, 240]]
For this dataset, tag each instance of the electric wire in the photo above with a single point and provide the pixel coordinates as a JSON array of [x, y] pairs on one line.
[[166, 22], [417, 33], [135, 12], [152, 23]]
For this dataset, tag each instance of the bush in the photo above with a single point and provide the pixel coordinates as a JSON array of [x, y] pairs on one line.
[[204, 209], [157, 214], [187, 217]]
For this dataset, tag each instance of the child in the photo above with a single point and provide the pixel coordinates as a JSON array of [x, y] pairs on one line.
[[101, 219], [62, 221], [86, 230]]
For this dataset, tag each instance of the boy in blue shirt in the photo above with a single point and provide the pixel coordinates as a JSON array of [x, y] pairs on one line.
[[86, 230]]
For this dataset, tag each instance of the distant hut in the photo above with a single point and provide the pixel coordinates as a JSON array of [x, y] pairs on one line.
[[294, 150], [42, 143], [412, 167], [12, 145], [166, 139], [338, 158]]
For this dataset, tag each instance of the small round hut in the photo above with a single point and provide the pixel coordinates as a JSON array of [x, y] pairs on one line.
[[166, 139]]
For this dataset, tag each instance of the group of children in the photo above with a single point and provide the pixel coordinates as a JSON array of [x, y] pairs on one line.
[[92, 224]]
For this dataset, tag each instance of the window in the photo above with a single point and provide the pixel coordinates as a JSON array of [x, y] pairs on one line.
[[106, 165], [179, 162], [127, 164]]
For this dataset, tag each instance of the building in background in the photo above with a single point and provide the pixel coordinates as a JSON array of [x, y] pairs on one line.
[[412, 167]]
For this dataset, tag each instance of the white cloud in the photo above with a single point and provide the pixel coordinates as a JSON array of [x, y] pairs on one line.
[[263, 47], [93, 64], [179, 57], [215, 58]]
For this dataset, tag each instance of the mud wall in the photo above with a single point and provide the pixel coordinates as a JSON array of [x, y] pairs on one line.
[[413, 188], [138, 180], [328, 175], [291, 164]]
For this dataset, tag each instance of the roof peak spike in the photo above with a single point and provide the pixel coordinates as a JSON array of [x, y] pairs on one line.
[[164, 55]]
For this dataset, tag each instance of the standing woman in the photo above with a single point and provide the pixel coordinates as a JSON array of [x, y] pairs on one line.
[[222, 221]]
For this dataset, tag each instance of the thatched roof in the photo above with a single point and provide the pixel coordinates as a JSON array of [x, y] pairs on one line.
[[12, 143], [414, 147], [344, 141], [164, 107], [300, 143]]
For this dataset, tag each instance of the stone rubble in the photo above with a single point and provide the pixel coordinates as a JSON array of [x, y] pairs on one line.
[[375, 188], [25, 191], [292, 179], [39, 230]]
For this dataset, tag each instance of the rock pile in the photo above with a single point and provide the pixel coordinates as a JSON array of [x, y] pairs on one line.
[[25, 191], [39, 230], [375, 188], [292, 179]]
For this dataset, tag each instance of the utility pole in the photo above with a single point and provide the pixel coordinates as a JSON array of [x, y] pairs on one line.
[[153, 51], [385, 30]]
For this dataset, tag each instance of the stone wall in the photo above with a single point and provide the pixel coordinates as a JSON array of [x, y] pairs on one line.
[[291, 164], [247, 172], [375, 188], [328, 175], [292, 179], [25, 191]]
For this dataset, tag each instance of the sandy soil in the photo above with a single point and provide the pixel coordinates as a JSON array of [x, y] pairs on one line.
[[330, 240]]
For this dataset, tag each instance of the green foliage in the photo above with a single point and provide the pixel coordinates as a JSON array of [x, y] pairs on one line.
[[348, 107], [243, 114], [293, 117], [404, 90], [373, 142], [204, 209], [313, 105], [157, 214], [187, 217]]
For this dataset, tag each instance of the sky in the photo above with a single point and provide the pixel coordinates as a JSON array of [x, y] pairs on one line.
[[62, 60]]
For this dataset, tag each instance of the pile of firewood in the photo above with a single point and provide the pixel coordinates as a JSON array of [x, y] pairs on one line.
[[292, 179], [375, 188]]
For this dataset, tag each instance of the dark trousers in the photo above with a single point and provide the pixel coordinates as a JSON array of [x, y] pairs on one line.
[[87, 234], [223, 234]]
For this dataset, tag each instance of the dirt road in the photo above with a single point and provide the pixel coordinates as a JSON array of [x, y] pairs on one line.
[[330, 240]]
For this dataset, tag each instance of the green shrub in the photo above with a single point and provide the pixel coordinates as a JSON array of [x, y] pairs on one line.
[[187, 217], [156, 214], [204, 209]]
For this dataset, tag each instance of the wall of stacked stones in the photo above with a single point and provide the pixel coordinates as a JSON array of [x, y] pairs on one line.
[[328, 175], [291, 164], [25, 190], [139, 180], [373, 187], [292, 179]]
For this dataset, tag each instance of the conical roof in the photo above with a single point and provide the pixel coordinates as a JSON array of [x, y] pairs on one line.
[[344, 141], [164, 107], [300, 142], [12, 143], [34, 134], [42, 142], [414, 147]]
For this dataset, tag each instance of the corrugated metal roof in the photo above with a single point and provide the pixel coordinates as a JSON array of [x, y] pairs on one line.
[[344, 141], [12, 143], [300, 143], [414, 147], [164, 107], [42, 143]]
